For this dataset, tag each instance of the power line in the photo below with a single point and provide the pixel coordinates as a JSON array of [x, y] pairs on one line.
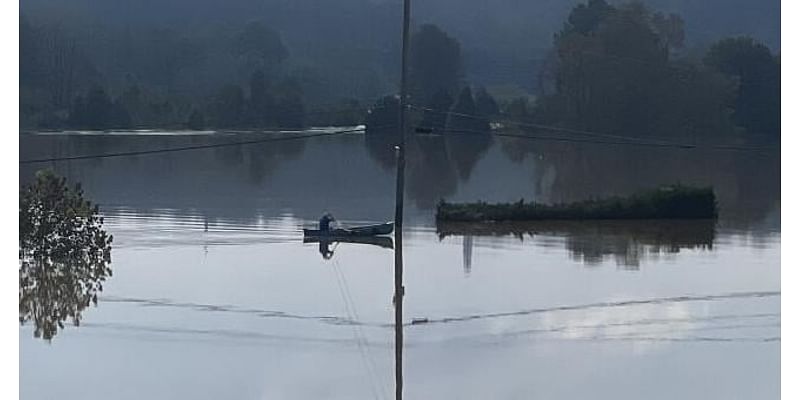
[[328, 110], [376, 385], [621, 140], [540, 126], [187, 148], [686, 146]]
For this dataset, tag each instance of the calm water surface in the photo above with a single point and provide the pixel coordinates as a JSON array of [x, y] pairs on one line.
[[215, 295]]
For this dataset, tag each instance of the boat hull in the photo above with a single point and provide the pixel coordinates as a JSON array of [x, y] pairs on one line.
[[358, 231]]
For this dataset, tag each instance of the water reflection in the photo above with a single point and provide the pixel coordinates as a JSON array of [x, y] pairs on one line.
[[328, 246], [747, 184], [356, 173], [435, 162], [591, 242]]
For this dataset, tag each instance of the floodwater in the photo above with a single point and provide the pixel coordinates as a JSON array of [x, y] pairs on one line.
[[215, 295]]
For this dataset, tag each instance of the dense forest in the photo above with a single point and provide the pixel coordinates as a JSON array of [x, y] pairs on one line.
[[614, 72], [656, 68]]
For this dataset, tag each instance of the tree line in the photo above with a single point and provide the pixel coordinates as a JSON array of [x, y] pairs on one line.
[[622, 70], [616, 70], [164, 79]]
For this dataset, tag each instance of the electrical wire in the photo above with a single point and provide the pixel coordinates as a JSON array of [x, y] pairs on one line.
[[376, 386], [620, 140], [195, 147], [541, 126]]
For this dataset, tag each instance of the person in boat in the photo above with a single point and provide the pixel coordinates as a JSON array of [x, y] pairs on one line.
[[325, 222]]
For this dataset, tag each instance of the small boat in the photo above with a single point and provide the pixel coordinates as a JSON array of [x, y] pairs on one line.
[[366, 230]]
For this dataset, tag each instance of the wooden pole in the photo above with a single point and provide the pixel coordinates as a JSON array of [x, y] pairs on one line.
[[399, 289]]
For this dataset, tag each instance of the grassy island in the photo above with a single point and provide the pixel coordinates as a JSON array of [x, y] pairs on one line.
[[669, 202]]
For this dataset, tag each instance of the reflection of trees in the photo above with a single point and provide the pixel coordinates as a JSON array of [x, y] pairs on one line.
[[63, 254], [435, 161], [747, 184], [593, 241], [466, 149], [431, 175], [380, 144], [383, 133], [258, 161], [629, 242]]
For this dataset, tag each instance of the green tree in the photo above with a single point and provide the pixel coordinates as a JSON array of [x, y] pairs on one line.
[[96, 110], [614, 74], [64, 254], [261, 105], [435, 65], [485, 104], [585, 18], [290, 108], [757, 71], [167, 54]]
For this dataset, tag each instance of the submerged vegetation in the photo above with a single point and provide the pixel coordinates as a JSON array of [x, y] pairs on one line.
[[671, 202], [63, 254]]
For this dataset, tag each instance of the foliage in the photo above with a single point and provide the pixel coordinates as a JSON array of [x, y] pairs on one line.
[[614, 74], [63, 254], [345, 112], [96, 110], [290, 108], [485, 104], [435, 65], [757, 72], [261, 105], [671, 202]]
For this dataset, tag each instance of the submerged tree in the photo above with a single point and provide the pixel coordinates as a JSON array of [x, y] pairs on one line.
[[64, 254]]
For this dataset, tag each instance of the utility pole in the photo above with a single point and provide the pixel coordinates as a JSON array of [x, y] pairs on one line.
[[399, 289]]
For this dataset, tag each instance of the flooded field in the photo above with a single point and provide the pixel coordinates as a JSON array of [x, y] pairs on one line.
[[215, 295]]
